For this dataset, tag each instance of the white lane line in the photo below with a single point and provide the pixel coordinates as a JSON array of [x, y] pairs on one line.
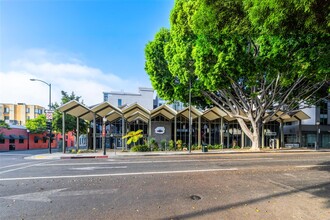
[[154, 161], [118, 174], [14, 165], [97, 168], [20, 168], [311, 166]]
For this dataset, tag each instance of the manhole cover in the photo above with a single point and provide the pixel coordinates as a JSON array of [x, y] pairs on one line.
[[195, 197]]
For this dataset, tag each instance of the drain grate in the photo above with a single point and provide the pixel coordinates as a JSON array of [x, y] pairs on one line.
[[195, 197]]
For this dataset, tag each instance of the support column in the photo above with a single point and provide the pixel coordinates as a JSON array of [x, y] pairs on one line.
[[63, 132], [149, 130], [228, 135], [210, 133], [199, 131], [175, 128], [94, 132], [281, 133], [221, 131], [122, 132], [77, 133], [262, 136], [300, 134], [243, 139]]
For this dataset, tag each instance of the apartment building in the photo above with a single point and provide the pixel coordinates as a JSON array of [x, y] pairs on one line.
[[18, 114]]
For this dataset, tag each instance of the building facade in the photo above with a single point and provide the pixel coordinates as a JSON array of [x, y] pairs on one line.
[[312, 132], [120, 99], [18, 114]]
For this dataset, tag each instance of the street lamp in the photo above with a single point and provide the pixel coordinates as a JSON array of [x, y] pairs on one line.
[[49, 108], [189, 144], [317, 135]]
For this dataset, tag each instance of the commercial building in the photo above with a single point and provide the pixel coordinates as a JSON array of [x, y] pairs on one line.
[[123, 112], [18, 114]]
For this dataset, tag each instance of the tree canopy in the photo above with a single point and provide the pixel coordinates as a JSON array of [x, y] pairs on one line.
[[37, 125], [251, 58]]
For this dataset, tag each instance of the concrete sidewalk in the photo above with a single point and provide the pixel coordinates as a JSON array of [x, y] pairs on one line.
[[118, 153]]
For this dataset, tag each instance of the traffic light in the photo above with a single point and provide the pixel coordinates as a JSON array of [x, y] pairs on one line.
[[49, 125]]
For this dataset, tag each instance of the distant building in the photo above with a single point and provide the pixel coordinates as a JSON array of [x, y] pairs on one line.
[[313, 131], [119, 99], [176, 105], [18, 114]]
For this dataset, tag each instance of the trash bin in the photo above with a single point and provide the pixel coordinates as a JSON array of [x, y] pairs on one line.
[[204, 149]]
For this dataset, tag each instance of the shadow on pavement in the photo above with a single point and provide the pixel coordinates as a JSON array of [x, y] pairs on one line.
[[320, 190]]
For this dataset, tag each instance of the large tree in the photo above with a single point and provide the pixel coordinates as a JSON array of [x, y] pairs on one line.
[[254, 59]]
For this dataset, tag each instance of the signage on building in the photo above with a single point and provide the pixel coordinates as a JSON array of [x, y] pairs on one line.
[[160, 130], [269, 133]]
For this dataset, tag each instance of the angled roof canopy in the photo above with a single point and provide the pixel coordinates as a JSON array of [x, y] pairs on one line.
[[104, 108], [164, 110], [76, 109], [136, 111], [194, 112]]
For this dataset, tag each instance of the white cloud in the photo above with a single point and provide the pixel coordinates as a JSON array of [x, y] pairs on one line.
[[64, 73]]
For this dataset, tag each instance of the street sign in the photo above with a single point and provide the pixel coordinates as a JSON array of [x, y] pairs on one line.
[[49, 115]]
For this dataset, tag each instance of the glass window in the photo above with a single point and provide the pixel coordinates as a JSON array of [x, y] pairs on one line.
[[12, 141], [21, 140], [2, 140], [119, 102], [27, 110]]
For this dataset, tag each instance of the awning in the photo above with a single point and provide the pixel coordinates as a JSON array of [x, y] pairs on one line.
[[13, 136], [22, 137]]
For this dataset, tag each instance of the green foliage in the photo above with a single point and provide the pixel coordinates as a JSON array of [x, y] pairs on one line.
[[70, 121], [163, 144], [133, 136], [244, 56], [37, 125], [140, 148], [215, 147], [171, 145], [153, 143], [3, 125], [179, 144]]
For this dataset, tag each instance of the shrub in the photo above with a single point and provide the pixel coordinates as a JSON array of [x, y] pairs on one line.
[[171, 145], [140, 148], [153, 143], [163, 144], [179, 144]]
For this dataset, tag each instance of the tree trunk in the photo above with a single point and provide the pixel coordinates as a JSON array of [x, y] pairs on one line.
[[252, 135]]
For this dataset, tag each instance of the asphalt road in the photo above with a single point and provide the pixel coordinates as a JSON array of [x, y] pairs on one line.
[[232, 186]]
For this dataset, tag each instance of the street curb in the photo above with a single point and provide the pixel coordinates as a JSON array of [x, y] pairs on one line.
[[85, 157]]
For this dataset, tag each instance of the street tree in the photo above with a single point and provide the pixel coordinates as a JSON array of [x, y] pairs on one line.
[[3, 125], [37, 125], [70, 121], [254, 59]]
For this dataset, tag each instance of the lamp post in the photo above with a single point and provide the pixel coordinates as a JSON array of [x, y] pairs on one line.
[[28, 139], [317, 135], [49, 108], [189, 143]]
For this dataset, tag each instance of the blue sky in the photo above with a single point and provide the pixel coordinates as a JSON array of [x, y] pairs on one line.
[[84, 46]]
